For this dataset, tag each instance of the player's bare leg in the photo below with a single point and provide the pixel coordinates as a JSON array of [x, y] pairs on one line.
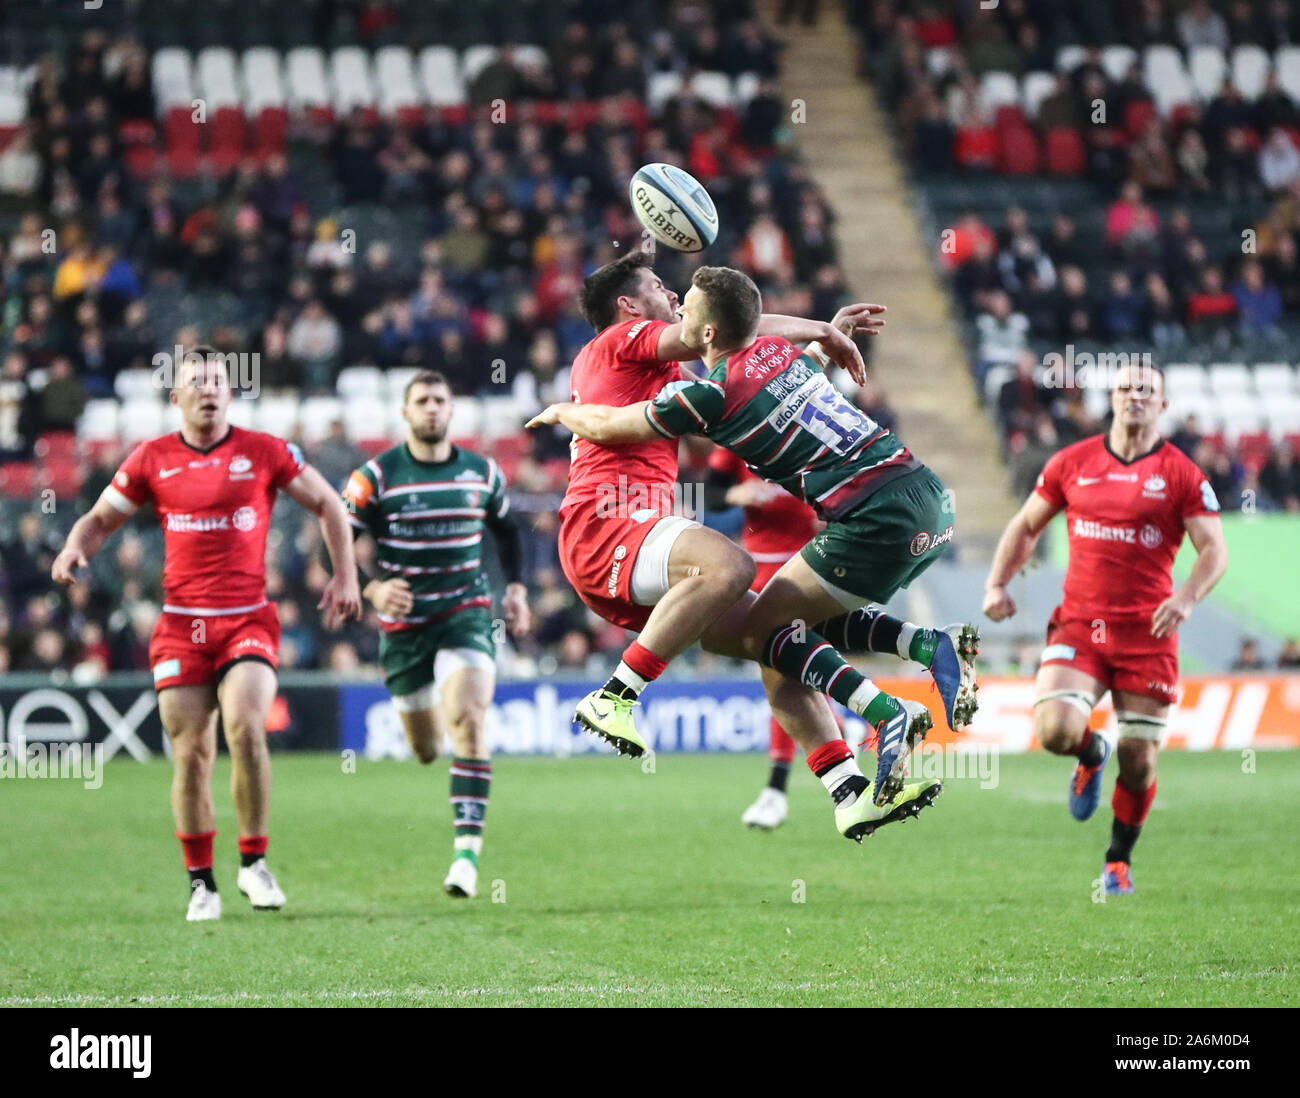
[[423, 729], [777, 634], [466, 696], [245, 695], [1142, 723], [189, 717], [706, 574], [1065, 697]]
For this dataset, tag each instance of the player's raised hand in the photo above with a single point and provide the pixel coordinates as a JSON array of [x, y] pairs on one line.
[[844, 352], [1170, 614], [67, 564], [545, 417], [392, 598], [860, 318], [998, 603], [340, 601], [519, 618]]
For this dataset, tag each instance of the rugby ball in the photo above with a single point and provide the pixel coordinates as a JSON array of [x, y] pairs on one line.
[[674, 207]]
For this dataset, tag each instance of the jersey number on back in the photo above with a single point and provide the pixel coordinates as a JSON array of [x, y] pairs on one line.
[[830, 419]]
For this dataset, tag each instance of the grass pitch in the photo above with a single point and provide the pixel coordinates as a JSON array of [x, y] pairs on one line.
[[617, 887]]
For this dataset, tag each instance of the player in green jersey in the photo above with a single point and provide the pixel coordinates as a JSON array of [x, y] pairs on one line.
[[426, 504], [888, 516]]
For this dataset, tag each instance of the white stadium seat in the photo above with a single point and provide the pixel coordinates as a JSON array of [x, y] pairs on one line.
[[100, 420], [1117, 60], [501, 417], [938, 60], [714, 88], [1201, 405], [1166, 78], [305, 75], [1209, 69], [217, 79], [1282, 414], [1287, 63], [1275, 379], [136, 385], [395, 381], [662, 87], [242, 413], [1186, 378], [263, 85], [277, 415], [999, 89], [1034, 88], [1250, 69], [1069, 58], [534, 56], [1242, 414], [350, 79], [315, 416], [474, 60], [395, 82], [440, 76], [365, 419], [361, 383], [173, 82], [1229, 379], [746, 87], [142, 419], [466, 418]]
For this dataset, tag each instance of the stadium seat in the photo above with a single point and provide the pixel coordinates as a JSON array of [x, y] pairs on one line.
[[999, 89], [746, 88], [1065, 153], [440, 76], [1137, 113], [242, 413], [1017, 150], [662, 87], [315, 416], [395, 382], [227, 139], [360, 383], [18, 479], [714, 88], [533, 56], [136, 385], [395, 83], [1230, 379], [474, 60], [99, 421], [56, 446], [1069, 58], [1117, 60], [502, 417], [173, 84], [1209, 69], [938, 61], [1166, 78], [1250, 69], [276, 415], [217, 79], [466, 418], [1282, 414], [1183, 378], [366, 421], [262, 82], [1275, 379], [142, 419], [350, 80], [1287, 64], [308, 88], [1034, 88]]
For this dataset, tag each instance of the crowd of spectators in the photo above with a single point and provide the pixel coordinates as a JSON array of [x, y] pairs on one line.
[[504, 219]]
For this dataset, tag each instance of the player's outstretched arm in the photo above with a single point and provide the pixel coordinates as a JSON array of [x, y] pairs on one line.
[[1015, 547], [1206, 533], [341, 600], [599, 423], [85, 538]]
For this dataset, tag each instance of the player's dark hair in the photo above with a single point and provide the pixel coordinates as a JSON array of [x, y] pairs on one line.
[[604, 286], [425, 377], [732, 303]]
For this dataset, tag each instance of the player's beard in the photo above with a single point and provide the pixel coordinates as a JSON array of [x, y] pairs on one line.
[[430, 436]]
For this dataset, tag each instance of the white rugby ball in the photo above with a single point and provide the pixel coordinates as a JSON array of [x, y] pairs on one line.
[[674, 207]]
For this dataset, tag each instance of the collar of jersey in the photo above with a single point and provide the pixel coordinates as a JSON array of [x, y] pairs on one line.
[[1105, 441], [230, 430]]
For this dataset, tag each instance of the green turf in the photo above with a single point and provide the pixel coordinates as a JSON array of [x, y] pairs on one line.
[[626, 888]]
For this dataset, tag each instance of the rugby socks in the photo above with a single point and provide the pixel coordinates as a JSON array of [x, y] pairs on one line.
[[782, 751], [872, 630], [836, 768], [638, 668], [1090, 749], [471, 780], [1130, 808], [251, 848], [197, 849], [803, 654]]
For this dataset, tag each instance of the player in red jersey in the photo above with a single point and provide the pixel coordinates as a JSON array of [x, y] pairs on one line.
[[214, 649], [777, 526], [1128, 496]]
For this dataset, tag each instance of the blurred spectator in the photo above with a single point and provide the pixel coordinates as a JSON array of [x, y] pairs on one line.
[[1002, 334], [314, 340], [1289, 657], [1280, 477], [1248, 656], [1259, 304], [335, 456], [1279, 161], [1201, 25]]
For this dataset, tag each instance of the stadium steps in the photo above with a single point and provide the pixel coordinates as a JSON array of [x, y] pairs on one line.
[[921, 360]]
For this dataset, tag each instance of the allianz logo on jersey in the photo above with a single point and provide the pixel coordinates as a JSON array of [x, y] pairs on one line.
[[1150, 536], [244, 519]]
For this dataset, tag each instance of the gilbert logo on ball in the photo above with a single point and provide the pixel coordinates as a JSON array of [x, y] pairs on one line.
[[674, 206]]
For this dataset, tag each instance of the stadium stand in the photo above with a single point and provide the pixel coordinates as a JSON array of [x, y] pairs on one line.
[[1113, 179], [327, 186]]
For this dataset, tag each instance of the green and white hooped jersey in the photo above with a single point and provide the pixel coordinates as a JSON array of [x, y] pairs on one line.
[[774, 407], [427, 520]]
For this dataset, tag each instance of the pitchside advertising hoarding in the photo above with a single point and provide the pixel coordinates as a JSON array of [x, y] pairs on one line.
[[316, 713]]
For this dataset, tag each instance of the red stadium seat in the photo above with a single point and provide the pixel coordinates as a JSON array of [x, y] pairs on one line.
[[137, 131], [1294, 440], [1254, 448], [63, 475], [1137, 114], [227, 146], [1017, 151], [56, 446], [1008, 115], [272, 128], [1065, 154], [976, 148], [17, 479], [140, 160]]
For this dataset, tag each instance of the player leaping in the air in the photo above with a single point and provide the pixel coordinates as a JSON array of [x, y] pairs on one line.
[[889, 518], [215, 647], [1128, 498], [427, 503]]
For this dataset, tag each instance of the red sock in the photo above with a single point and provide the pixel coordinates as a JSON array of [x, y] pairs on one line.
[[253, 844], [1130, 806], [197, 849], [826, 756], [644, 662], [782, 747]]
